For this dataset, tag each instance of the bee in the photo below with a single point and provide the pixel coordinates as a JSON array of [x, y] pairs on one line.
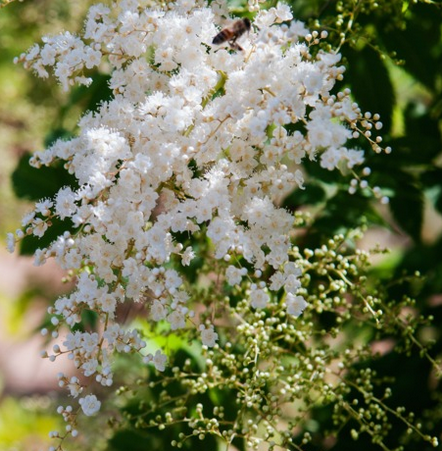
[[232, 33]]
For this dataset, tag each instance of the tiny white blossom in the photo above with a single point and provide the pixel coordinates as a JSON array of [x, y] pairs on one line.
[[75, 388], [64, 205], [283, 12], [354, 157], [259, 299], [208, 335], [90, 405], [164, 158], [295, 304], [177, 320], [234, 275], [188, 256], [157, 310], [108, 303], [159, 360], [89, 367], [39, 227], [10, 242], [27, 219], [43, 207]]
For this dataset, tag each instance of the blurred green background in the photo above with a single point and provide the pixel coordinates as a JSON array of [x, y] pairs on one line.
[[30, 110]]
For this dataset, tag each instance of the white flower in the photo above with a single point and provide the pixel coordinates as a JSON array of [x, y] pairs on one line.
[[292, 283], [113, 333], [89, 342], [64, 205], [172, 280], [259, 299], [330, 159], [193, 143], [319, 133], [28, 218], [89, 367], [92, 58], [159, 360], [73, 341], [108, 303], [354, 157], [177, 320], [43, 207], [39, 227], [295, 304], [208, 336], [10, 242], [74, 387], [283, 12], [90, 405], [157, 310], [234, 275], [188, 256], [278, 279]]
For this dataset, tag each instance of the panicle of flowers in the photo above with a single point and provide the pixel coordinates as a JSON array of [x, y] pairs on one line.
[[196, 139], [273, 369]]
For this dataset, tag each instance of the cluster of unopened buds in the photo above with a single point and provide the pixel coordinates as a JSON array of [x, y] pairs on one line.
[[198, 138]]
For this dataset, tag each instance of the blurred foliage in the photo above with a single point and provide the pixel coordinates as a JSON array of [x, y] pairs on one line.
[[31, 108], [393, 53], [24, 423]]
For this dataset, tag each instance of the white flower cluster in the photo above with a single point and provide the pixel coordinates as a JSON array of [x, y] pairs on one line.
[[197, 138]]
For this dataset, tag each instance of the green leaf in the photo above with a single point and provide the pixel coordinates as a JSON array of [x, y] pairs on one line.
[[31, 243], [316, 172], [340, 213], [423, 134], [92, 96], [312, 195], [432, 179], [87, 98], [35, 184], [57, 133], [425, 259], [438, 203], [370, 83], [416, 44], [407, 204], [133, 440]]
